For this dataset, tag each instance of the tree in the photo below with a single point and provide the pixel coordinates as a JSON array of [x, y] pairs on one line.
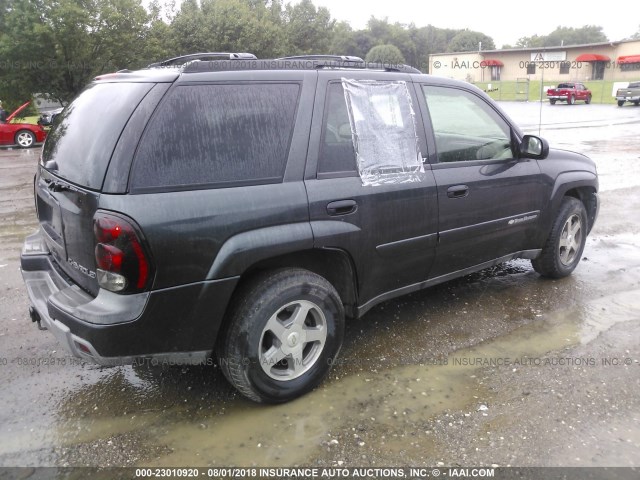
[[564, 36], [228, 26], [343, 41], [69, 42], [387, 54], [469, 41], [575, 36], [308, 30], [635, 36]]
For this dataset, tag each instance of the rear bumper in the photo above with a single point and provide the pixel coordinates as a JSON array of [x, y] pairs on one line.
[[557, 97], [177, 325], [628, 98]]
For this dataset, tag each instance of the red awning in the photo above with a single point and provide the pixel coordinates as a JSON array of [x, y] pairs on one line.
[[490, 62], [592, 57], [629, 59]]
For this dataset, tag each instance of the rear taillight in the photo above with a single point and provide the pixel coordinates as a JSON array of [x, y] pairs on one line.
[[123, 264]]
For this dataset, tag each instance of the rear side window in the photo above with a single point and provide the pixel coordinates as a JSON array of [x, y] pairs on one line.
[[86, 132], [337, 154], [206, 136]]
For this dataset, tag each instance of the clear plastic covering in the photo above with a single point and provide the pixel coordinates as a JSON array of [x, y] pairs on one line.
[[383, 130]]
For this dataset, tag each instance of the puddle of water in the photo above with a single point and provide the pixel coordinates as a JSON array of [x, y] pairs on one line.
[[393, 400]]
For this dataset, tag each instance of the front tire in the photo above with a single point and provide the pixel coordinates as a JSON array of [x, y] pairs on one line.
[[563, 249], [25, 139], [588, 100], [285, 330]]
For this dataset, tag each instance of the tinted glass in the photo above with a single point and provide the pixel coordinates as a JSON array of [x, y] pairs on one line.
[[336, 149], [216, 136], [466, 127], [86, 132]]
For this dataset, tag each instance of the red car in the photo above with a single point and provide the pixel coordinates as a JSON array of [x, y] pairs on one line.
[[23, 135]]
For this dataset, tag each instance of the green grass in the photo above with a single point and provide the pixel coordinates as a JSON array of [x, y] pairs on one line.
[[513, 91]]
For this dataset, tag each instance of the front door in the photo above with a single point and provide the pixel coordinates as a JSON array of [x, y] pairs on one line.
[[489, 201]]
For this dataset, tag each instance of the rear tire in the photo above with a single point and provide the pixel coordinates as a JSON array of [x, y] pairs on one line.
[[552, 102], [563, 249], [285, 330], [25, 139], [636, 103], [570, 100], [620, 103], [588, 100]]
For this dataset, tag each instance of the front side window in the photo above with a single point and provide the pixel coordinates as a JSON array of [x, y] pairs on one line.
[[466, 127], [218, 135]]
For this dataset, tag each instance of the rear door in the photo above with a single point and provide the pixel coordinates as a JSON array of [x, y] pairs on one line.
[[75, 159], [489, 201], [387, 223]]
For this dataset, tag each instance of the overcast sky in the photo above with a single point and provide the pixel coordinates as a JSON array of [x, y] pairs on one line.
[[504, 21]]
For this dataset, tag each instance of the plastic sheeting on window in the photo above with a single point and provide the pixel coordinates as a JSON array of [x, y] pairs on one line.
[[383, 130]]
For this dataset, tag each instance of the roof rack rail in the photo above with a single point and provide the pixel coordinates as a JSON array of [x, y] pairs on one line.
[[199, 56], [338, 58], [325, 61], [295, 63]]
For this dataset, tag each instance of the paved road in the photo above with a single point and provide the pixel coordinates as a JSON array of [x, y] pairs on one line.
[[500, 367]]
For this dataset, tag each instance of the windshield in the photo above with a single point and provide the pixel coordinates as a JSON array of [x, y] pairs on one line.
[[86, 132]]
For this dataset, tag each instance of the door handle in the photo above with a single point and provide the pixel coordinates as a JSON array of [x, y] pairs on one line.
[[458, 191], [342, 207]]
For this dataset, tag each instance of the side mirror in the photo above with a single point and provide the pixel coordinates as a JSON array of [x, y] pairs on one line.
[[534, 147]]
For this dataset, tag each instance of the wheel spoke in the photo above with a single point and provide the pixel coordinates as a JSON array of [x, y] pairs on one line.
[[295, 362], [300, 314], [273, 356], [574, 229], [563, 243], [277, 328], [315, 334]]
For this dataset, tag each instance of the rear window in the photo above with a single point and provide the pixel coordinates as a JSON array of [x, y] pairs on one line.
[[217, 135], [86, 132]]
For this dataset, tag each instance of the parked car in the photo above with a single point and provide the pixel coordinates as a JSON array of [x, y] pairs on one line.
[[570, 93], [46, 118], [629, 94], [244, 208], [23, 135]]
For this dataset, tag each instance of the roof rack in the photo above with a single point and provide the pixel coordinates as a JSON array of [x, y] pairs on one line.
[[303, 62], [345, 60], [199, 56], [339, 58]]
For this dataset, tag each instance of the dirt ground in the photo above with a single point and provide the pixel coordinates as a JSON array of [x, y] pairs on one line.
[[498, 368]]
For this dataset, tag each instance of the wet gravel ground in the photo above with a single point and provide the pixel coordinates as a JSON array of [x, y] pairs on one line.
[[497, 368]]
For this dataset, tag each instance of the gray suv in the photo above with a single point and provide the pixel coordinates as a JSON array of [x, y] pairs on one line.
[[242, 208]]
